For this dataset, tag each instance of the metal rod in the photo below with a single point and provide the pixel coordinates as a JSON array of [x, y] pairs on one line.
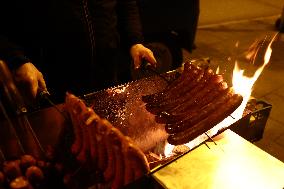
[[232, 117], [211, 138], [157, 73], [23, 119], [206, 144], [148, 66], [11, 127], [45, 95]]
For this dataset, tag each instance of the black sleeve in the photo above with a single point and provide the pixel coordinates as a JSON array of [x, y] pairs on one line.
[[129, 22], [12, 53]]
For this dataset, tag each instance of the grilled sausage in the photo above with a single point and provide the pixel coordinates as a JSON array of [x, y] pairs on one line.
[[12, 169], [110, 169], [101, 130], [185, 94], [20, 183], [2, 178], [73, 107], [116, 139], [83, 155], [138, 161], [191, 106], [128, 169], [190, 72], [175, 92], [222, 111], [202, 98], [91, 124], [34, 174], [196, 116], [27, 161]]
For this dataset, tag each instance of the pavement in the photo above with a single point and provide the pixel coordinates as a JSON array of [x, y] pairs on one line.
[[225, 33]]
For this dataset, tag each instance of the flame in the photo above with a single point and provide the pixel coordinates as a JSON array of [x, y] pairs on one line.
[[242, 85]]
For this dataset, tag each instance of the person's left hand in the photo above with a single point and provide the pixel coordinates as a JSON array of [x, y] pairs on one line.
[[139, 52]]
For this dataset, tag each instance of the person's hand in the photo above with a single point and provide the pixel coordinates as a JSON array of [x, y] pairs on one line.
[[139, 52], [29, 79]]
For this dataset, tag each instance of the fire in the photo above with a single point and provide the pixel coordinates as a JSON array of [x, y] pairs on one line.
[[242, 85]]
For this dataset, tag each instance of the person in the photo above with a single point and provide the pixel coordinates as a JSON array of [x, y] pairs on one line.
[[78, 45]]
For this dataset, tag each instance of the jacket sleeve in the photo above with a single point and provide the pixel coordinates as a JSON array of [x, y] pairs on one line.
[[129, 22], [12, 53]]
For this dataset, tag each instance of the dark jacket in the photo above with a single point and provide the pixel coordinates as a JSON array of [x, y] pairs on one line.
[[71, 41]]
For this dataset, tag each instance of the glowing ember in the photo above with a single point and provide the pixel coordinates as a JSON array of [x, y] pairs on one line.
[[242, 85]]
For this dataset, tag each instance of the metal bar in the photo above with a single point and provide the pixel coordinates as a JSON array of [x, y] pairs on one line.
[[45, 95], [210, 138], [11, 127], [24, 123]]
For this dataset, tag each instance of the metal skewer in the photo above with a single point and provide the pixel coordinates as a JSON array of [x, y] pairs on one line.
[[11, 127], [148, 66], [45, 95], [210, 138], [25, 125]]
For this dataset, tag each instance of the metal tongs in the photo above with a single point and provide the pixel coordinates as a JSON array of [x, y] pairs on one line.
[[147, 66]]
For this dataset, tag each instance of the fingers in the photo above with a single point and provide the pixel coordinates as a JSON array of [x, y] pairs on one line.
[[41, 83], [30, 79], [139, 52]]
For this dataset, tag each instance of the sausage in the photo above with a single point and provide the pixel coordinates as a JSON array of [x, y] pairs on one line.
[[83, 155], [116, 139], [221, 112], [27, 161], [72, 105], [2, 178], [34, 174], [91, 124], [187, 75], [101, 130], [110, 169], [196, 116], [155, 97], [12, 169], [176, 92], [20, 183], [203, 97], [128, 170], [191, 106], [138, 161], [184, 94]]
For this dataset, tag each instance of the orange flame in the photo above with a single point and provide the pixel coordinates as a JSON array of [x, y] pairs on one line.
[[242, 85]]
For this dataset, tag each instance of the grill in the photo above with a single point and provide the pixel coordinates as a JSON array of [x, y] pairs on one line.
[[123, 107]]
